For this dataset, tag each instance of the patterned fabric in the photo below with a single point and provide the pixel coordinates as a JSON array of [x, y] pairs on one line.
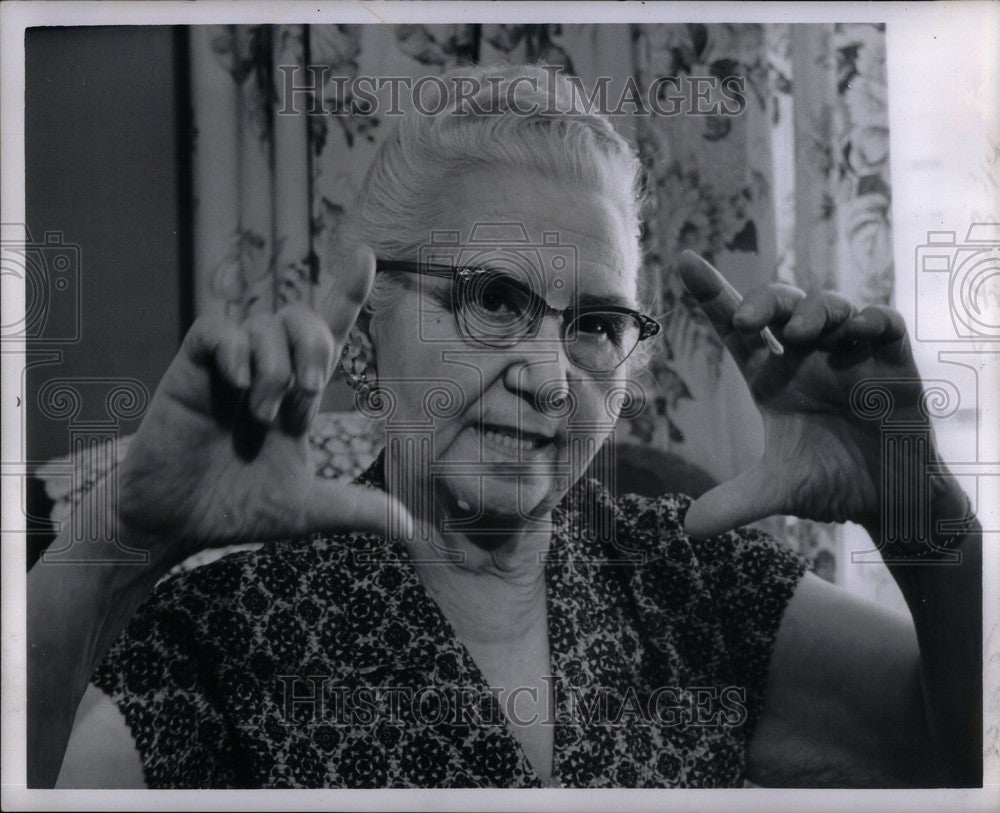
[[325, 663]]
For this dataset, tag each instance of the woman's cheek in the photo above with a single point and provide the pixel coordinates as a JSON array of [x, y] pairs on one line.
[[601, 401]]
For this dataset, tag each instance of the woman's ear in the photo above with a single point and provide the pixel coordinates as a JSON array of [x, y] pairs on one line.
[[358, 358]]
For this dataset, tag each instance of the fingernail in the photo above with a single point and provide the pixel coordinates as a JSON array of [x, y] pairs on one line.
[[273, 410], [772, 342], [266, 411], [299, 412], [745, 315], [243, 376]]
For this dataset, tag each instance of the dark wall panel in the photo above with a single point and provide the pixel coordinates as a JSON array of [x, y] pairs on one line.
[[102, 169]]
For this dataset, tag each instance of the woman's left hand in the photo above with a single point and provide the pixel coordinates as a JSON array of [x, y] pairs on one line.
[[821, 461]]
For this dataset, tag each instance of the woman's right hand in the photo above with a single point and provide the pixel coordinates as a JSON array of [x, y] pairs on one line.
[[222, 454]]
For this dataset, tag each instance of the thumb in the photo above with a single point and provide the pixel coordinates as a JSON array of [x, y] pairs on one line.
[[333, 506], [748, 497]]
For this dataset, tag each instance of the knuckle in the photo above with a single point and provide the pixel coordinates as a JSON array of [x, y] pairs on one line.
[[321, 341], [271, 373], [837, 306], [208, 334], [897, 320], [818, 305], [885, 316], [786, 292], [357, 283], [260, 322], [801, 308], [203, 323], [303, 323], [203, 327], [295, 312], [350, 295], [356, 293]]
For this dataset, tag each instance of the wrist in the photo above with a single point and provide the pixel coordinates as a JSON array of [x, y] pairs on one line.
[[97, 540], [929, 528], [138, 563]]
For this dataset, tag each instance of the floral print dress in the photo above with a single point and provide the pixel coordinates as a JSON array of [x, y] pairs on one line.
[[325, 663]]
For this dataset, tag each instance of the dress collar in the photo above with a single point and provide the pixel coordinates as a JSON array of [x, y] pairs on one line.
[[576, 524]]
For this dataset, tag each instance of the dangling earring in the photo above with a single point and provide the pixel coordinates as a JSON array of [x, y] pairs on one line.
[[358, 361]]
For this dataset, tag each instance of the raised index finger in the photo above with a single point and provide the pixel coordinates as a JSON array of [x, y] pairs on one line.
[[717, 298], [349, 292]]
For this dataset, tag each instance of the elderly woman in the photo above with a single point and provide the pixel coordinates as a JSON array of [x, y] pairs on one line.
[[473, 611]]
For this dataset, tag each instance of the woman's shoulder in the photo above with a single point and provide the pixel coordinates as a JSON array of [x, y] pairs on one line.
[[249, 591], [247, 609], [591, 504], [320, 566], [653, 528]]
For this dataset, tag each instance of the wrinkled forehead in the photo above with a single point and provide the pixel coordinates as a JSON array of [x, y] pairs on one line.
[[564, 238]]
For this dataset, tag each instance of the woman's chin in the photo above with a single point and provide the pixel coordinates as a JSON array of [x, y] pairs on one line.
[[491, 483], [504, 500]]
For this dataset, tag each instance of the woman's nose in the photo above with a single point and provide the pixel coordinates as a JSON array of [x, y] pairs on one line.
[[539, 369]]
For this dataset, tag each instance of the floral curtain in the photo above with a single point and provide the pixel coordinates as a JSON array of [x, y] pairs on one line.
[[795, 187]]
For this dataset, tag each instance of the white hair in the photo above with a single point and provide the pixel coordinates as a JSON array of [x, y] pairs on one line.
[[397, 206]]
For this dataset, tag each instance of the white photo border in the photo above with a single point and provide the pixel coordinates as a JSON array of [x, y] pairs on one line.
[[937, 35]]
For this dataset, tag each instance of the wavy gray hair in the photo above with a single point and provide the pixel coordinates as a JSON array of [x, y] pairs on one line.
[[396, 211]]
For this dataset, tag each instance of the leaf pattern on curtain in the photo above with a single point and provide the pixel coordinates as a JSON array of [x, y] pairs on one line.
[[529, 43], [796, 187], [252, 243], [709, 178], [841, 188], [442, 46]]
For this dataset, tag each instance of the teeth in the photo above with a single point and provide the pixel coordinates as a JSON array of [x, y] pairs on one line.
[[508, 441]]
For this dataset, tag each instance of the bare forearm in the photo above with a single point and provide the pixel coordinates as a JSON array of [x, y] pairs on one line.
[[75, 612], [945, 600]]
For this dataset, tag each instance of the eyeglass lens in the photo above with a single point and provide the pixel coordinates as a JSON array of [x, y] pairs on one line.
[[496, 310]]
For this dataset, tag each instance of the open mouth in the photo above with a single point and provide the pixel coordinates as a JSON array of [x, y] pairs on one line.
[[516, 439]]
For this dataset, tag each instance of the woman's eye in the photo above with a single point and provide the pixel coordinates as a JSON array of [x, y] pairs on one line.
[[599, 326], [499, 297], [442, 298], [492, 301]]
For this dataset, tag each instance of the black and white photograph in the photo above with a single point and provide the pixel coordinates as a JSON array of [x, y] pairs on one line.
[[501, 402]]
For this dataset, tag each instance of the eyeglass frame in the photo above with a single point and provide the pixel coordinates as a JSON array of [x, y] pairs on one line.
[[648, 326]]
